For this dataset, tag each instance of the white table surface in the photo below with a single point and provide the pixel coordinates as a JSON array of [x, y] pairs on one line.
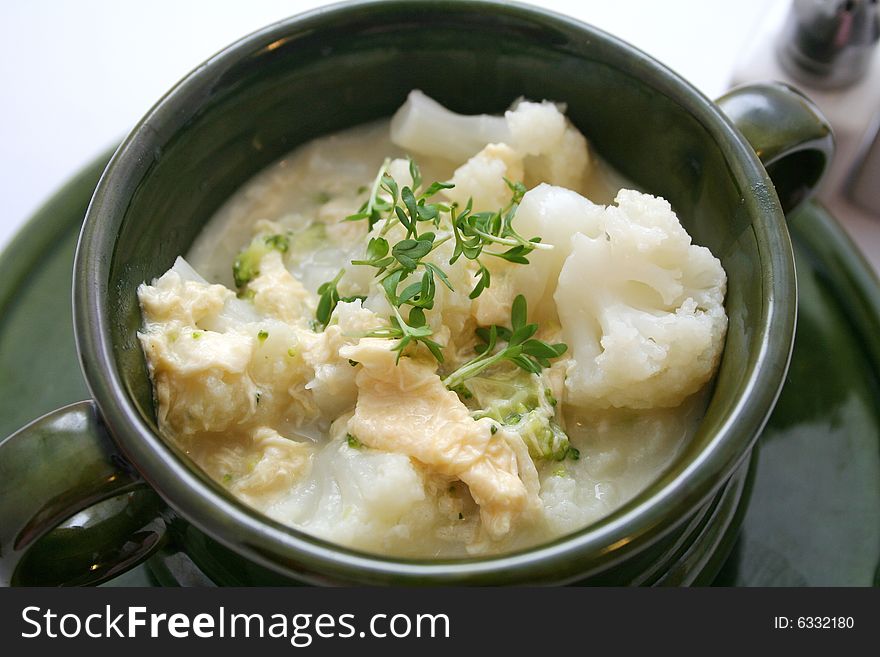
[[77, 75]]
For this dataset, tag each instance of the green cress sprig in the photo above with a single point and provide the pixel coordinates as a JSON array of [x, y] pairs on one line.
[[328, 297], [522, 349], [475, 231], [397, 265]]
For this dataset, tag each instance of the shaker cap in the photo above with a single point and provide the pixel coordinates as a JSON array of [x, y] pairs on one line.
[[829, 43]]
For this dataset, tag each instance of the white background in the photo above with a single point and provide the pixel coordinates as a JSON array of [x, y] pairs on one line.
[[76, 75]]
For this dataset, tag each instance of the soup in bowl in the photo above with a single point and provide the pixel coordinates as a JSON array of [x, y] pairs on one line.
[[461, 367], [330, 71]]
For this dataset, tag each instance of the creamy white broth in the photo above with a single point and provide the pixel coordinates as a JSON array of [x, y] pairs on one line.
[[318, 183], [381, 500]]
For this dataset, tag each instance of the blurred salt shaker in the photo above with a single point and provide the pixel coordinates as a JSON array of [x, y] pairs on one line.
[[828, 50]]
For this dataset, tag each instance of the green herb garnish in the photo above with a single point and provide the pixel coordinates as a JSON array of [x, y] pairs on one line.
[[408, 279], [522, 349], [328, 297]]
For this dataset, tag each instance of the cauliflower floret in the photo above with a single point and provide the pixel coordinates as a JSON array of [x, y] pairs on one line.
[[548, 146], [569, 503], [558, 152], [405, 408], [641, 309], [280, 373], [565, 164], [482, 178], [554, 214], [535, 128], [424, 126]]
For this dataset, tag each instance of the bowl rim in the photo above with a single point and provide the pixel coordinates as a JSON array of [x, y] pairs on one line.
[[298, 555]]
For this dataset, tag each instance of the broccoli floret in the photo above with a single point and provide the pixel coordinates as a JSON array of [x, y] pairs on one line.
[[247, 263], [502, 395], [544, 438], [523, 403]]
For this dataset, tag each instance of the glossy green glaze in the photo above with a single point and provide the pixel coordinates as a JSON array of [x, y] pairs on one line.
[[815, 516], [53, 468], [692, 553], [38, 361], [36, 323], [243, 110], [825, 447], [780, 123]]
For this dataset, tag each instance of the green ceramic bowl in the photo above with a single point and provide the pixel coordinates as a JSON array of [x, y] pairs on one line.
[[334, 68]]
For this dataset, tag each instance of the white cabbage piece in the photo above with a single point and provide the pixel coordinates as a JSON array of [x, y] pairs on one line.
[[641, 308], [362, 497]]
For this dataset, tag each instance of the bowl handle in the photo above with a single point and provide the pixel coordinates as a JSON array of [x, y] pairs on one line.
[[74, 512], [788, 133]]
